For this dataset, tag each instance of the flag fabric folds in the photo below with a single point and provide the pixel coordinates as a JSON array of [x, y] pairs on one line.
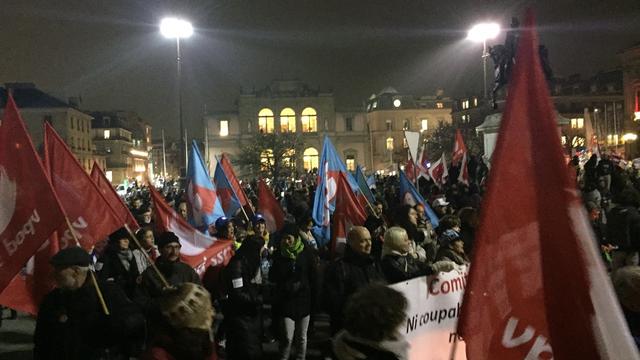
[[198, 250], [90, 214], [537, 287], [112, 198], [235, 183], [348, 213], [226, 193], [364, 186], [423, 163], [204, 203], [439, 172], [325, 197], [29, 209], [269, 207], [410, 196], [460, 157]]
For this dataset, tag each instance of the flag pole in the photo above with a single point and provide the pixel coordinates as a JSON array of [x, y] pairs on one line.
[[163, 280], [234, 193], [91, 274]]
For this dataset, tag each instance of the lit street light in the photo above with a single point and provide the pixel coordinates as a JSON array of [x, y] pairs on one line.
[[173, 28], [481, 33]]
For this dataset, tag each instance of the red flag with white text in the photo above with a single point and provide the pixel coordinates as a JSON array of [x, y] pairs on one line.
[[29, 209], [537, 288], [269, 207], [90, 214], [198, 250], [348, 212], [109, 193]]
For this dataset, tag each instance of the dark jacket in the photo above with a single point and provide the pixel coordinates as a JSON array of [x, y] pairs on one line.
[[447, 254], [623, 227], [398, 268], [295, 283], [112, 269], [72, 324], [344, 277], [175, 273], [242, 309]]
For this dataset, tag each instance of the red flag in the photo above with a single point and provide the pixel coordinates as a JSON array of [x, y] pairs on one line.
[[459, 148], [409, 171], [235, 184], [439, 172], [537, 288], [463, 175], [269, 208], [91, 215], [348, 212], [109, 193], [423, 163], [198, 250], [29, 209]]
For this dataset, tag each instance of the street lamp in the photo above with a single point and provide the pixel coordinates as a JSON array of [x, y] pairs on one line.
[[174, 28], [481, 33]]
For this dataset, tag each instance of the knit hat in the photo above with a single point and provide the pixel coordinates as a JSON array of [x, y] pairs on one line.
[[289, 229], [448, 237], [189, 306], [258, 218], [166, 238], [121, 233]]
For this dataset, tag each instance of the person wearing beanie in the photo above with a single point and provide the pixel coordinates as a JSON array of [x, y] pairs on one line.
[[452, 248], [185, 330], [174, 271], [117, 264], [242, 308], [294, 273], [71, 322]]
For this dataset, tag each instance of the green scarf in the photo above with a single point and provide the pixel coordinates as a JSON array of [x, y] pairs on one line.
[[292, 251]]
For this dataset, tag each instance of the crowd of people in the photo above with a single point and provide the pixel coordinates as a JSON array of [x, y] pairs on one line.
[[159, 308]]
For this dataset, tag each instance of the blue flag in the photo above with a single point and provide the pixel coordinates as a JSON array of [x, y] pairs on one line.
[[410, 196], [325, 198], [371, 181], [364, 186], [226, 194], [202, 197]]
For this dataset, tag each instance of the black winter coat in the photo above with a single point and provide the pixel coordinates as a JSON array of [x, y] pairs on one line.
[[111, 269], [175, 273], [398, 268], [295, 283], [72, 325], [343, 278]]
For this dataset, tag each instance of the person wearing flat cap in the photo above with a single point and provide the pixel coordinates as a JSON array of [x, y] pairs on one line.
[[72, 323], [174, 271]]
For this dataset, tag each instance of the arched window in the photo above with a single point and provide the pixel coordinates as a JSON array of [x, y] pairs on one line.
[[310, 158], [389, 143], [287, 120], [266, 159], [579, 141], [289, 158], [265, 121], [309, 120]]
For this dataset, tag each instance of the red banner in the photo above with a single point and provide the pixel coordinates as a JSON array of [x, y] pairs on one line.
[[113, 199], [269, 207]]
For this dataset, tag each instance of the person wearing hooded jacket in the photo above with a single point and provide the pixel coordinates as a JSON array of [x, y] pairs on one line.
[[294, 273], [242, 309], [397, 262]]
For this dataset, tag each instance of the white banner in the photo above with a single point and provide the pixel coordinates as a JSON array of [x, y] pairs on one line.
[[413, 140], [434, 308]]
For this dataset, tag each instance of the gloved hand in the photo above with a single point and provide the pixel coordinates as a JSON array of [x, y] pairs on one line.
[[443, 266]]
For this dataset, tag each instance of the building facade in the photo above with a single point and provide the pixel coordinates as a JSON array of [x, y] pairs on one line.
[[73, 125], [125, 141], [361, 136]]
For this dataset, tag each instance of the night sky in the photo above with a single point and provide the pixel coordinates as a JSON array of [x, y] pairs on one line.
[[111, 54]]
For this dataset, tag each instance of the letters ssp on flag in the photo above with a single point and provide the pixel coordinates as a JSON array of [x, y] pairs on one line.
[[537, 288], [29, 209]]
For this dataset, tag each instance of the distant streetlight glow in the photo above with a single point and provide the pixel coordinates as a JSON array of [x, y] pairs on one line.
[[173, 28], [481, 33]]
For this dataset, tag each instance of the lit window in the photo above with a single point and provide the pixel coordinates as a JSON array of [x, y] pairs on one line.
[[265, 121], [266, 159], [389, 127], [475, 101], [351, 163], [406, 125], [310, 158], [424, 125], [465, 104], [374, 105], [107, 134], [287, 120], [224, 127], [309, 120], [390, 143], [348, 124], [289, 158], [577, 141], [577, 123], [439, 105]]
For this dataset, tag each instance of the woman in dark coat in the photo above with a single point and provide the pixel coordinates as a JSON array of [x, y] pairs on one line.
[[294, 274], [118, 264], [242, 310]]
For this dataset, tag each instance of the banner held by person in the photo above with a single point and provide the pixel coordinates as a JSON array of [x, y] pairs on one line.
[[204, 203], [269, 207], [109, 193]]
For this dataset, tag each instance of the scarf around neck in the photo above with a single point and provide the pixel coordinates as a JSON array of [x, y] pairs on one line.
[[294, 250]]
